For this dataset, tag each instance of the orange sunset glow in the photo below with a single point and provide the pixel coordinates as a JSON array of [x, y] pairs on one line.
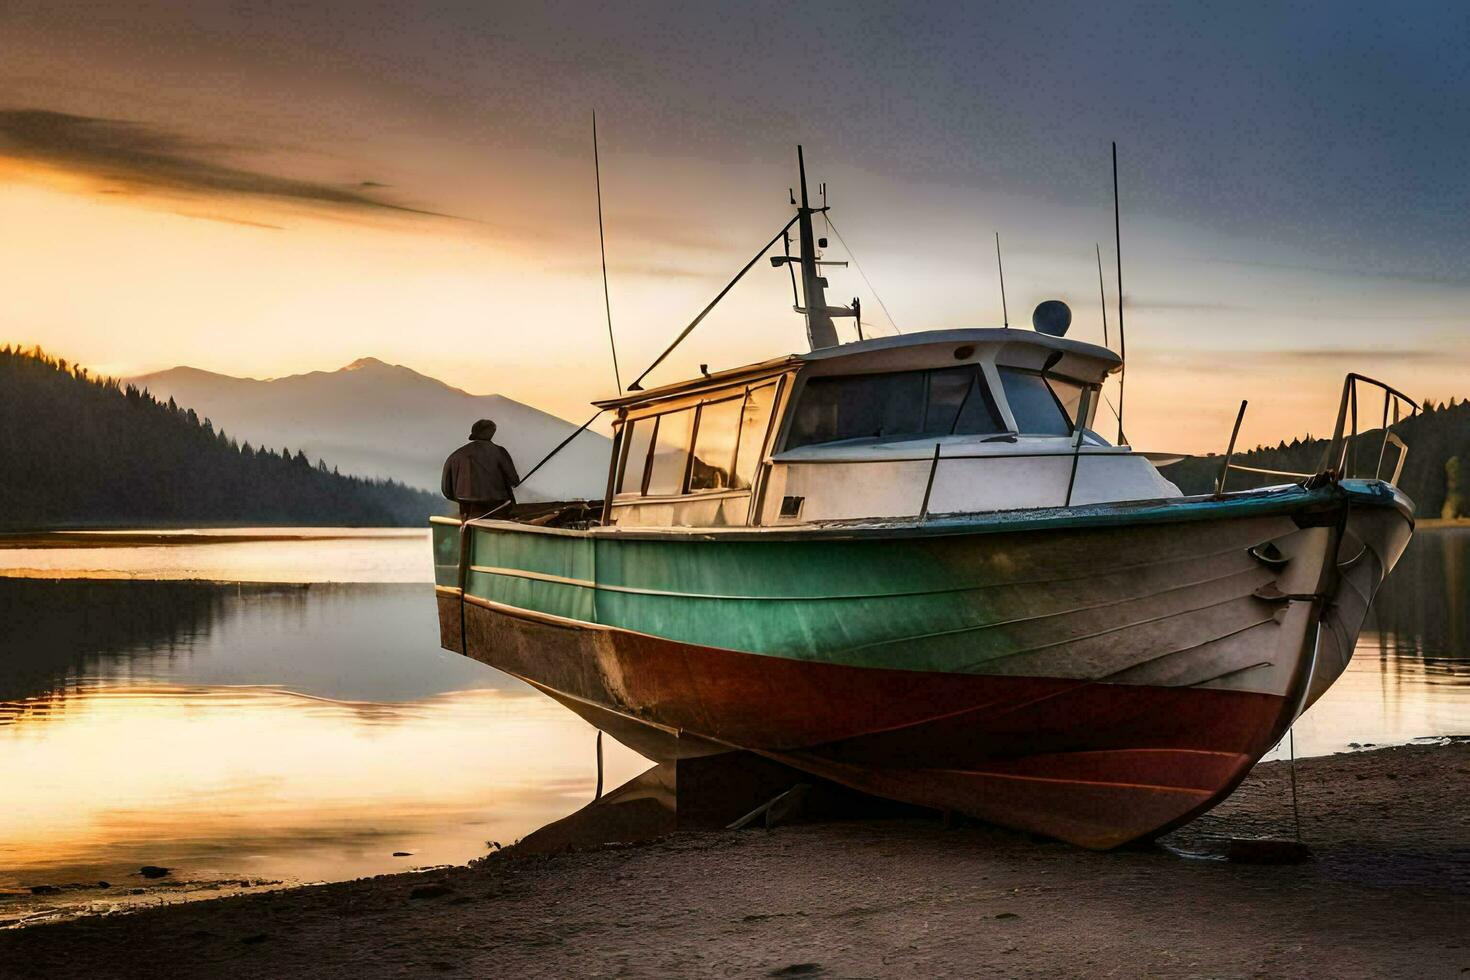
[[284, 213]]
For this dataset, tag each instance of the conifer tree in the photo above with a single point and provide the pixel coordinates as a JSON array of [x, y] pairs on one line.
[[79, 451]]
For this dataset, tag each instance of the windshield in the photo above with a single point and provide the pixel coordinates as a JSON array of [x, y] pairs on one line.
[[1042, 405], [894, 406]]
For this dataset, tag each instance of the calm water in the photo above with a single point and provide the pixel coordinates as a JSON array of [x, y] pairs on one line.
[[301, 724]]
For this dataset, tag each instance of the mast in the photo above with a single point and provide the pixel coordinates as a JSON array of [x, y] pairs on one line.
[[820, 330]]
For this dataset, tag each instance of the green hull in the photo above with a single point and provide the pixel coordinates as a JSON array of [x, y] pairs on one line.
[[1000, 594]]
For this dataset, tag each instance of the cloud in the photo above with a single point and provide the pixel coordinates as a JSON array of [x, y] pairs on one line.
[[1364, 354], [646, 268], [146, 158], [1181, 306], [1345, 272], [1212, 360]]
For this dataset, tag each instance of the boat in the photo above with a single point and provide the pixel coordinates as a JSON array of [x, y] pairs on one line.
[[912, 566]]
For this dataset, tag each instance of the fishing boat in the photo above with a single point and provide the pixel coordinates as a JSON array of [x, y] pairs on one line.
[[911, 565]]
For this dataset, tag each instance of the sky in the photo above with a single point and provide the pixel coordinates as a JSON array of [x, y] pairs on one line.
[[264, 189]]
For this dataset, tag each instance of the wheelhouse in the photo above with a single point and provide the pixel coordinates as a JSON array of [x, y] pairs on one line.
[[897, 427]]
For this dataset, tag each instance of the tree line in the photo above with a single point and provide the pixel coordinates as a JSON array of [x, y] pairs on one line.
[[1436, 473], [78, 450]]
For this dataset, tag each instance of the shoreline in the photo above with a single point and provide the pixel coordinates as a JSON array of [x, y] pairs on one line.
[[103, 537], [1382, 896]]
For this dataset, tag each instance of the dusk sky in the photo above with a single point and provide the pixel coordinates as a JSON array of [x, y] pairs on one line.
[[263, 189]]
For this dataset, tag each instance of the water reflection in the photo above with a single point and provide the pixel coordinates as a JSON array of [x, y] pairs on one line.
[[283, 554], [1422, 616], [1410, 674], [292, 732]]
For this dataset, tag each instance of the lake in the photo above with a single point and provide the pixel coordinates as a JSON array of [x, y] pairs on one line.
[[271, 706]]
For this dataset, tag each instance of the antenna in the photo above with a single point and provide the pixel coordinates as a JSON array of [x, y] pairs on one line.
[[1122, 337], [602, 247], [1102, 295], [1005, 317]]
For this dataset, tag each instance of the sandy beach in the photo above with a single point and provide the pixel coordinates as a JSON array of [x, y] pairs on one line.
[[1385, 894]]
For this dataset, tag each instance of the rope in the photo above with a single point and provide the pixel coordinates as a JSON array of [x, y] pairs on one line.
[[599, 766], [1296, 814], [859, 267], [464, 566]]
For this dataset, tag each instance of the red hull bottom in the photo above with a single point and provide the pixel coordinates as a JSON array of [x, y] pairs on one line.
[[1094, 764]]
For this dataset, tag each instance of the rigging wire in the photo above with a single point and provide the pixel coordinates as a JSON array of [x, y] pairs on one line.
[[637, 383], [791, 268], [1122, 337], [859, 267], [602, 247], [1116, 416], [559, 447], [1005, 316]]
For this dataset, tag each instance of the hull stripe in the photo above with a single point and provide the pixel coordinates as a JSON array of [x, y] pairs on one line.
[[582, 583]]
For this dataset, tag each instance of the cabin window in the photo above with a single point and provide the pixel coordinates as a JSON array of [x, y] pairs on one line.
[[960, 404], [1042, 405], [864, 406], [755, 421], [1069, 393], [728, 443], [670, 458], [894, 406], [638, 436], [715, 439]]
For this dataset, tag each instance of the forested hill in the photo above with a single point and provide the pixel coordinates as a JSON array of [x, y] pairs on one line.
[[82, 451], [1436, 474]]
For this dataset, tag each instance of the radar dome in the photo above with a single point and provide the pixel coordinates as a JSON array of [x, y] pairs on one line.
[[1052, 317]]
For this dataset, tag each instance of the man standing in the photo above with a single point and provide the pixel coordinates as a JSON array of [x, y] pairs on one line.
[[480, 476]]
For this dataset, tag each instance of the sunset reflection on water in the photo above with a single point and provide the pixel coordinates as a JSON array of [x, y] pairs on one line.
[[285, 731], [263, 782]]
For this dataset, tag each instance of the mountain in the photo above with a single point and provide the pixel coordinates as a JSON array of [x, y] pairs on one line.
[[385, 420], [82, 451], [1436, 473]]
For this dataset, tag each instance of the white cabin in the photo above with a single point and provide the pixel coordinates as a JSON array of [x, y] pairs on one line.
[[943, 422]]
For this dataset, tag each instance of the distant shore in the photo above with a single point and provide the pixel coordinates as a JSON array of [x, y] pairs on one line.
[[1384, 895], [132, 537]]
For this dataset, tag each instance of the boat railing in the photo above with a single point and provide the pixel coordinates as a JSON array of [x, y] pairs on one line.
[[1074, 453], [1076, 440], [1340, 460]]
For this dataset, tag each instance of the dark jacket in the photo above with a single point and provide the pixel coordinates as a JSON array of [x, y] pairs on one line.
[[480, 471]]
